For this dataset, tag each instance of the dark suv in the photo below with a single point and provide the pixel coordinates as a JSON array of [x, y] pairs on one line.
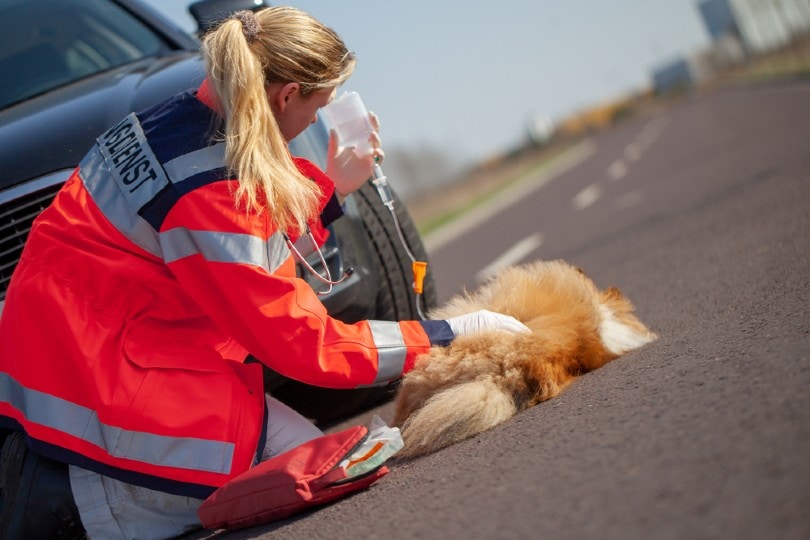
[[69, 69]]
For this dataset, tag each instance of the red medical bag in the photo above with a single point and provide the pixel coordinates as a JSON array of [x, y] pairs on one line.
[[296, 480]]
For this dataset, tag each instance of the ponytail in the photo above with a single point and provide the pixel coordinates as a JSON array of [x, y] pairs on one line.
[[242, 56]]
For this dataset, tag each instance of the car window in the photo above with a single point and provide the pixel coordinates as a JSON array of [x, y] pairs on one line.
[[45, 44]]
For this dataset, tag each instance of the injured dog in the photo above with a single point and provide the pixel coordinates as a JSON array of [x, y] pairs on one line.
[[482, 380]]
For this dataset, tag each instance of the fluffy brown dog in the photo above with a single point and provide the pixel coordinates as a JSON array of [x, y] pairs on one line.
[[480, 381]]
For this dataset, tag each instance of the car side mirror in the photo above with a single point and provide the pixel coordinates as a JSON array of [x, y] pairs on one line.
[[208, 13]]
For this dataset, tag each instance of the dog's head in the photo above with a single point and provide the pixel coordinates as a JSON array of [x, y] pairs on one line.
[[621, 331]]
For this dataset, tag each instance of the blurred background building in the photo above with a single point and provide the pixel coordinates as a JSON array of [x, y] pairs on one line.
[[740, 30]]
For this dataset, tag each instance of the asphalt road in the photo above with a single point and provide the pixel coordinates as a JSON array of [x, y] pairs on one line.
[[701, 215]]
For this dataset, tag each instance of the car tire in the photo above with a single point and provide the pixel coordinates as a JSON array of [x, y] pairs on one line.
[[396, 301]]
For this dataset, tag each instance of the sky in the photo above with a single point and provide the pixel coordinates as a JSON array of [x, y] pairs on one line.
[[466, 77]]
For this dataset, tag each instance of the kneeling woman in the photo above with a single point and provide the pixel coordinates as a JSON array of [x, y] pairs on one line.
[[159, 266]]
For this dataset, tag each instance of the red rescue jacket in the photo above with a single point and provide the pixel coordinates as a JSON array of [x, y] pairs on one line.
[[140, 292]]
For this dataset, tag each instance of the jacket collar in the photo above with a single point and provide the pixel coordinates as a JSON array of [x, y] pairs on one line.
[[206, 94]]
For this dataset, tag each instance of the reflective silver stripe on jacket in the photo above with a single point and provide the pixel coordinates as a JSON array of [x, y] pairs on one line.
[[81, 422], [224, 247], [196, 162], [392, 350], [96, 177], [123, 154]]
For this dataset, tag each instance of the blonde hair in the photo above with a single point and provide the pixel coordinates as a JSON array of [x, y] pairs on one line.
[[243, 55]]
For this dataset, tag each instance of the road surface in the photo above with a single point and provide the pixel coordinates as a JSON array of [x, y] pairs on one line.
[[701, 215]]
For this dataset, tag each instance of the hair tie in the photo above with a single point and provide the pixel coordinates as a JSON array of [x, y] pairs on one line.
[[250, 25]]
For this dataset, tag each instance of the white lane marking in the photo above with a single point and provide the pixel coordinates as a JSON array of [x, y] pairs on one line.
[[632, 152], [513, 255], [652, 130], [587, 197], [629, 199], [646, 139], [617, 170], [559, 165]]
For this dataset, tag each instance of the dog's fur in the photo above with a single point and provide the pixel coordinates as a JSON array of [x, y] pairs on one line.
[[480, 381]]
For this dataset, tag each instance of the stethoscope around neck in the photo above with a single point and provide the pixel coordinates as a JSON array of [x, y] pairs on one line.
[[327, 279], [419, 267]]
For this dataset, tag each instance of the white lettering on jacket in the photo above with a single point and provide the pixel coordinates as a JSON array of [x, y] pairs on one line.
[[134, 167]]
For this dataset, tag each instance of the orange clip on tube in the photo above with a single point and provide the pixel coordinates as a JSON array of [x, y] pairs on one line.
[[419, 270]]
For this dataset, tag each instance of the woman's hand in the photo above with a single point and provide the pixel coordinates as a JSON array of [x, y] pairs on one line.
[[348, 170], [485, 321]]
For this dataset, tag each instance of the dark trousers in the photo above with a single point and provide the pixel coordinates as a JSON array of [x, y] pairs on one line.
[[35, 496]]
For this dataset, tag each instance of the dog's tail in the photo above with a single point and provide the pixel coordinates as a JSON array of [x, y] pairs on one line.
[[455, 414]]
